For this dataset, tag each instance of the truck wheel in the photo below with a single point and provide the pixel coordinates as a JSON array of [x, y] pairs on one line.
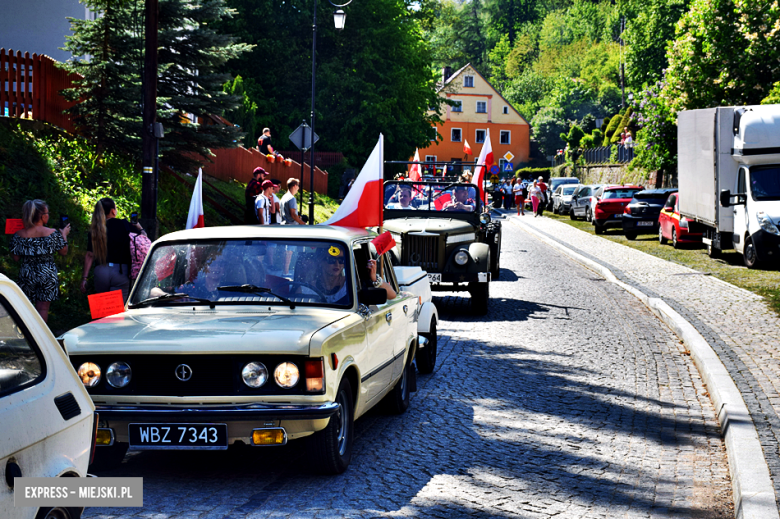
[[480, 295], [495, 269], [108, 458], [397, 400], [750, 255], [59, 512], [675, 243], [631, 236], [426, 357], [331, 448], [661, 238], [712, 252]]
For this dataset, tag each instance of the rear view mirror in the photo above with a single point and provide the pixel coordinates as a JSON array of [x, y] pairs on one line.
[[372, 296], [725, 198]]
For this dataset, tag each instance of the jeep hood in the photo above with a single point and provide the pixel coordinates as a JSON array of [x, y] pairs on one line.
[[203, 331], [431, 225]]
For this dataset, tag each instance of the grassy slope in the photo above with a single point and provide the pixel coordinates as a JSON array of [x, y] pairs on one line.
[[729, 267], [70, 177]]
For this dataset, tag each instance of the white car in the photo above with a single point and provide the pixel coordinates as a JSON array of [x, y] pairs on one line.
[[415, 280], [46, 416], [254, 335]]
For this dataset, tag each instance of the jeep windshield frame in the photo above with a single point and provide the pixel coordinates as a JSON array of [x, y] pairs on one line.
[[427, 200]]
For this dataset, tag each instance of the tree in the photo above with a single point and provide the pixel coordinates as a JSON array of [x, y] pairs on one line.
[[547, 126], [245, 116]]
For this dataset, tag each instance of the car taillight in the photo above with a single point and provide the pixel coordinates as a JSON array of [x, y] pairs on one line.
[[315, 375], [94, 438], [627, 210]]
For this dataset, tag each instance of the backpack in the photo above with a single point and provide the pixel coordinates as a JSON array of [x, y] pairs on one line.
[[139, 248]]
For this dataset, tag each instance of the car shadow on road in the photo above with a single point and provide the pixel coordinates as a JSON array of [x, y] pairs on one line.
[[457, 308]]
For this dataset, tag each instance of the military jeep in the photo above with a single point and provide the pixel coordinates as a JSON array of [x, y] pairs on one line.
[[441, 227]]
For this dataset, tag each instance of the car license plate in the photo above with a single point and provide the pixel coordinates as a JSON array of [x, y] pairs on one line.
[[434, 278], [644, 224], [199, 436], [619, 215]]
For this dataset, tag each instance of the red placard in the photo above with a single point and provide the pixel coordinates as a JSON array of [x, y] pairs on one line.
[[106, 303], [13, 224], [383, 243], [443, 199], [164, 266]]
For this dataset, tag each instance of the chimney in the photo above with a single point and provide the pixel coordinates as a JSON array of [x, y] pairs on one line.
[[445, 74]]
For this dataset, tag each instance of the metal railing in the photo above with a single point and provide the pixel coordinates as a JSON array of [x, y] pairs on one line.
[[602, 155]]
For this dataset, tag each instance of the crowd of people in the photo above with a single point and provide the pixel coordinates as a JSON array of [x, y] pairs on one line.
[[264, 207], [516, 192]]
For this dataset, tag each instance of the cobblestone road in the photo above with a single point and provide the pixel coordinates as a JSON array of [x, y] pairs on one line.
[[568, 400]]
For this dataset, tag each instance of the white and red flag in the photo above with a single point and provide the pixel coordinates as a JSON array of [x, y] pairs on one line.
[[362, 207], [415, 173], [467, 148], [484, 162], [195, 216]]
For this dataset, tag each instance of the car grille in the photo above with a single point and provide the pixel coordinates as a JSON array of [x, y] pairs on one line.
[[422, 251]]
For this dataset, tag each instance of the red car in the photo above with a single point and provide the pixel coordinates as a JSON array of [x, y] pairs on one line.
[[608, 211], [671, 226]]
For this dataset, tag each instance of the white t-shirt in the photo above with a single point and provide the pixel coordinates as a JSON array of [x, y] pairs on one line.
[[535, 191], [278, 213], [517, 189], [263, 204]]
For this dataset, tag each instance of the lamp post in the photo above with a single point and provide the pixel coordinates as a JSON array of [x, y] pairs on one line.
[[339, 18]]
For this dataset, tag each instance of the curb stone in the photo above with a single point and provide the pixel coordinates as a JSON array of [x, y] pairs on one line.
[[754, 495]]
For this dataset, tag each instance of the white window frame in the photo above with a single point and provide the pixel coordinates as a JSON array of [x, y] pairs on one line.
[[485, 110], [501, 137], [476, 138], [452, 137], [429, 157], [459, 108], [466, 81], [435, 134], [506, 110]]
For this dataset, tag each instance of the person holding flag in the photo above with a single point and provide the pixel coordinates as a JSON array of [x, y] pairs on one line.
[[484, 162]]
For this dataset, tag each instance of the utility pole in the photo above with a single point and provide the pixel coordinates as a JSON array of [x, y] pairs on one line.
[[622, 64], [148, 139], [313, 89]]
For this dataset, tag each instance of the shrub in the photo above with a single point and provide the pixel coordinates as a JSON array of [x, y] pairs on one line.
[[614, 122], [533, 173], [625, 121]]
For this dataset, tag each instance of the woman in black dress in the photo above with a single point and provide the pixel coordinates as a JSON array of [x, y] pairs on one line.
[[34, 246]]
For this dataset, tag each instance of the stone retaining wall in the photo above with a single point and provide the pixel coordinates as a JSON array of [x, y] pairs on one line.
[[612, 174]]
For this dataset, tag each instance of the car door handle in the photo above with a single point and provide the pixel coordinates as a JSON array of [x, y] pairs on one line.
[[389, 317]]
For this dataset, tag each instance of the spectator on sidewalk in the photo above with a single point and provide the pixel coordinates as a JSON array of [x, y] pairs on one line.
[[35, 246], [250, 194], [290, 203], [264, 144], [276, 210], [263, 203], [536, 194], [544, 199], [520, 192]]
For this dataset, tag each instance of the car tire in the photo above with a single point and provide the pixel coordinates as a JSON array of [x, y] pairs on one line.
[[109, 458], [631, 236], [675, 243], [571, 214], [661, 238], [59, 512], [480, 295], [750, 255], [397, 400], [330, 450], [588, 214], [426, 357], [597, 228], [495, 268]]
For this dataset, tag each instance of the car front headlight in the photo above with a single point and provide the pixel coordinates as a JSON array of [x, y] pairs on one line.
[[766, 223], [254, 374], [89, 373], [287, 375], [684, 223], [118, 374], [484, 218], [461, 257]]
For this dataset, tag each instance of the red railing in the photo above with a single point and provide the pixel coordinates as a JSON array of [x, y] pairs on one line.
[[321, 158], [239, 163], [30, 87]]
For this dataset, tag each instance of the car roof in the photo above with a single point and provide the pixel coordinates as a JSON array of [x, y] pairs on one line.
[[613, 188], [666, 191], [317, 232]]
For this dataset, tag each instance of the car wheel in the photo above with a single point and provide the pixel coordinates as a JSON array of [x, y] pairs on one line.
[[331, 448], [572, 215], [661, 238], [397, 400], [108, 458], [59, 512], [631, 236], [480, 295], [588, 214], [749, 255], [597, 228], [426, 357], [495, 269], [675, 243]]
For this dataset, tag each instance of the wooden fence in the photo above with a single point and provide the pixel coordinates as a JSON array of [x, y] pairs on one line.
[[30, 88], [239, 163], [321, 158]]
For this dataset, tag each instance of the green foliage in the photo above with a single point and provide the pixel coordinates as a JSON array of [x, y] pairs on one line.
[[573, 138], [625, 122], [656, 141], [245, 116], [774, 95], [532, 173], [547, 126], [527, 92], [614, 123], [593, 140]]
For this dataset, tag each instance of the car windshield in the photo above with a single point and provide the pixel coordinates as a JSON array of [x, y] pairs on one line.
[[765, 183], [619, 193], [246, 271], [569, 190], [430, 196]]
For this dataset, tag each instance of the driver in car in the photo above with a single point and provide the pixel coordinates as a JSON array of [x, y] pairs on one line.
[[404, 198], [331, 281], [460, 202]]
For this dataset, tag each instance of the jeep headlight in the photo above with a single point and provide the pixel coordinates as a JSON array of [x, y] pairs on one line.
[[484, 218], [89, 373], [287, 375], [118, 374], [766, 223], [461, 257], [254, 374]]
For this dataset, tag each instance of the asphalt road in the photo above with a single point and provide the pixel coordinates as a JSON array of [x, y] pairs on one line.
[[568, 400]]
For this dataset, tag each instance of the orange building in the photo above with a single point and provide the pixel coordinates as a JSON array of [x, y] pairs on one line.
[[481, 109]]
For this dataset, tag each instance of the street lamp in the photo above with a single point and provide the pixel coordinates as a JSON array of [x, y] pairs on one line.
[[339, 18]]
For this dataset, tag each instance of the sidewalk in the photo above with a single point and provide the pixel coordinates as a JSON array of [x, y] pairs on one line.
[[737, 324]]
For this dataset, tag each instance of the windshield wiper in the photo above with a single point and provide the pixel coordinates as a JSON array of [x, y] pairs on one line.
[[255, 290], [168, 297]]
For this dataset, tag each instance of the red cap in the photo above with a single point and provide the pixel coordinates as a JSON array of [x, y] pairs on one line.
[[259, 170], [266, 184]]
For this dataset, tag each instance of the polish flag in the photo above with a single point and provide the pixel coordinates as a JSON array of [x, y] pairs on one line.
[[195, 216], [467, 148], [484, 161], [414, 173], [362, 207]]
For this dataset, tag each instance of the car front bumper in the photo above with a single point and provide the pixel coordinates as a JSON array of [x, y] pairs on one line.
[[455, 281], [767, 246]]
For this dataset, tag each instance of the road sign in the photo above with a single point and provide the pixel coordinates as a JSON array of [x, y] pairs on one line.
[[508, 156], [494, 170], [494, 178], [301, 137], [508, 168]]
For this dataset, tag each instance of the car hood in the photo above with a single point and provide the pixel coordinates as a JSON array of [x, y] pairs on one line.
[[205, 331], [430, 225]]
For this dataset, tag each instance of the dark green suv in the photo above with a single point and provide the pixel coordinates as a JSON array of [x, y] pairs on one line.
[[441, 227]]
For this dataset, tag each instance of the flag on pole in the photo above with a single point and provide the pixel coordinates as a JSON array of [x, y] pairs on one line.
[[484, 161], [467, 148], [415, 173], [362, 206], [195, 216]]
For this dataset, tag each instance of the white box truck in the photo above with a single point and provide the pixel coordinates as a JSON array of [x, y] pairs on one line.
[[729, 178]]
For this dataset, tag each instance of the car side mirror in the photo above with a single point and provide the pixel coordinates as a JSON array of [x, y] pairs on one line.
[[372, 296], [725, 198]]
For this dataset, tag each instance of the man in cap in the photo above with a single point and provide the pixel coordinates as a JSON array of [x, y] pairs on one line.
[[545, 196], [460, 201], [250, 194], [263, 203]]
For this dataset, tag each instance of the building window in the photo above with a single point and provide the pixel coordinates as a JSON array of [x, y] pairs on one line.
[[458, 107], [481, 107], [480, 136], [506, 137], [456, 135], [434, 133], [468, 81], [506, 110], [430, 158]]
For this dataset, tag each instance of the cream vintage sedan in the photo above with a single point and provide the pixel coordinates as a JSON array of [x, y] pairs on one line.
[[249, 334]]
